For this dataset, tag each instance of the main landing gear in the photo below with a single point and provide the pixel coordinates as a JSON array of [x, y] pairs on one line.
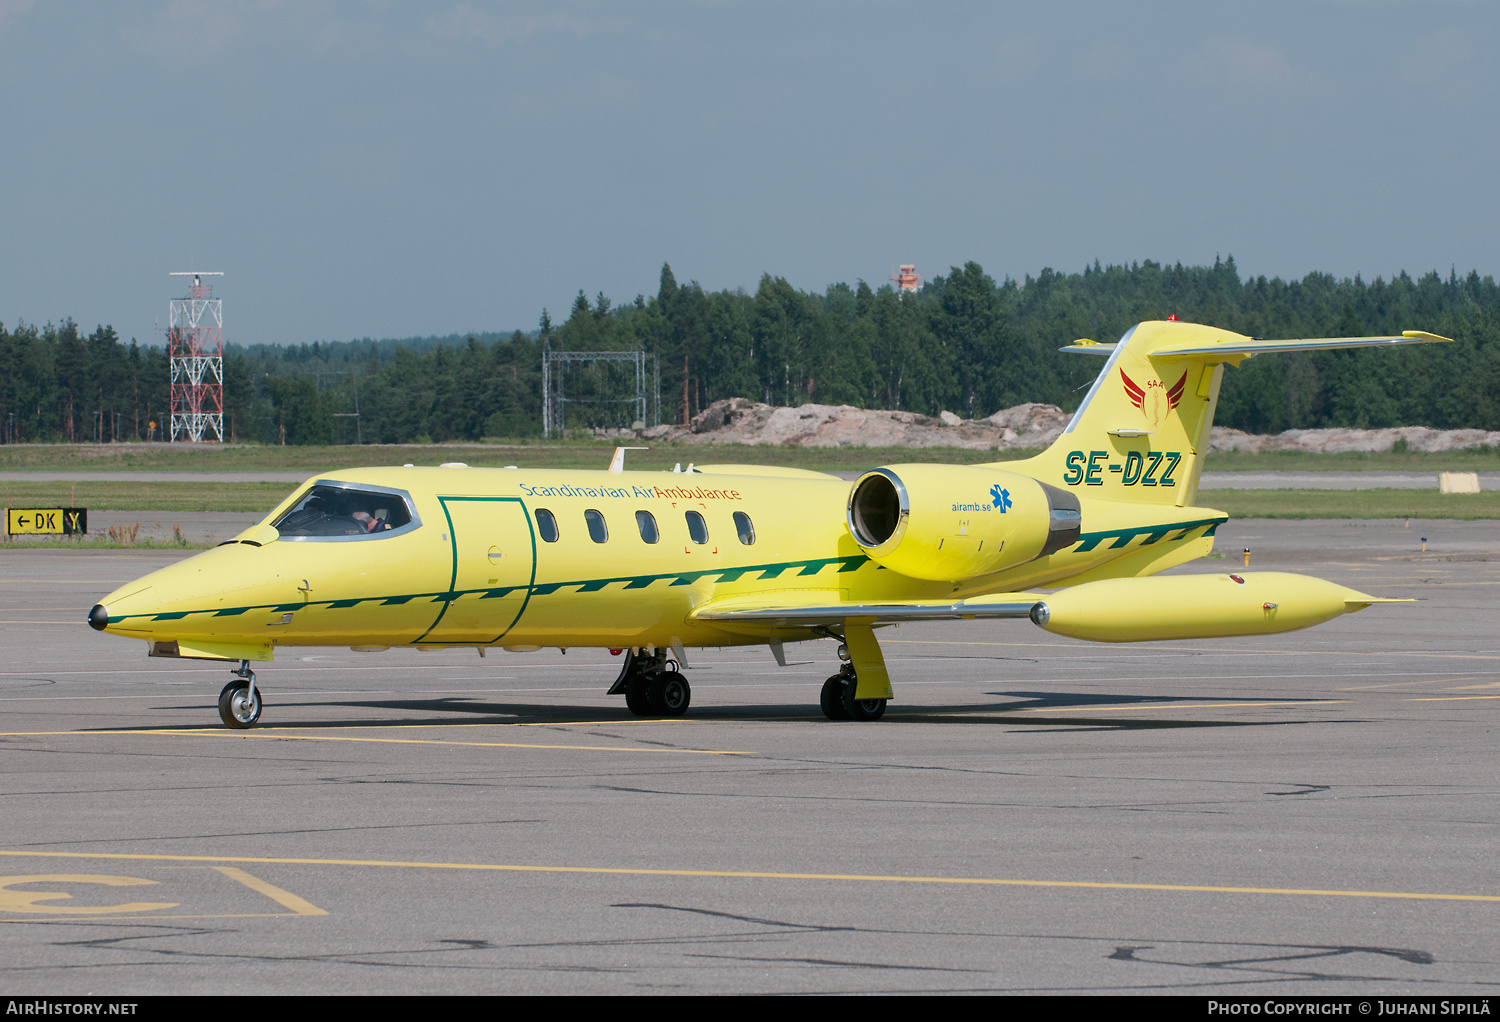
[[239, 702], [652, 684], [838, 694]]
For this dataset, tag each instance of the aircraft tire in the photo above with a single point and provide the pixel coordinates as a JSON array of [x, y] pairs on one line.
[[833, 698], [638, 696], [670, 694], [235, 710], [861, 709]]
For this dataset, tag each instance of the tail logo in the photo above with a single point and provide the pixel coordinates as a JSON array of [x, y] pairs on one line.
[[1154, 399]]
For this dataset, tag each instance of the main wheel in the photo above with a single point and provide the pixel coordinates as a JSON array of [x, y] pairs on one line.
[[833, 698], [670, 694], [638, 696], [236, 708], [861, 709]]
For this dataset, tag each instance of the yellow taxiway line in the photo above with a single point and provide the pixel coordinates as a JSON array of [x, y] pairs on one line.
[[758, 875], [1446, 699], [287, 899], [272, 733]]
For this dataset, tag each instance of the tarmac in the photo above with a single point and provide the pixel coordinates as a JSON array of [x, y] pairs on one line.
[[1307, 814]]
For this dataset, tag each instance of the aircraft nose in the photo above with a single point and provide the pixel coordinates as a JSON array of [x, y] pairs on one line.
[[98, 618]]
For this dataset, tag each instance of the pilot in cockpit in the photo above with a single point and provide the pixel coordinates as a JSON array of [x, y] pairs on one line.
[[371, 523]]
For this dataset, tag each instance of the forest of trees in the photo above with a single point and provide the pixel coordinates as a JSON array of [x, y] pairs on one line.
[[963, 343]]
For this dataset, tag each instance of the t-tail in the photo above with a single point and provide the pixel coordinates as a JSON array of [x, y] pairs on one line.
[[1141, 432]]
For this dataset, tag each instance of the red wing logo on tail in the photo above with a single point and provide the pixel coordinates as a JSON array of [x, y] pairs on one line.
[[1174, 395], [1151, 406]]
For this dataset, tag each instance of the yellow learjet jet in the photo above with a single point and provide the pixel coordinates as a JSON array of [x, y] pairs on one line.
[[652, 562]]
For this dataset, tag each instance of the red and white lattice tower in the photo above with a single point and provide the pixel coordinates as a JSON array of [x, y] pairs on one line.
[[195, 343]]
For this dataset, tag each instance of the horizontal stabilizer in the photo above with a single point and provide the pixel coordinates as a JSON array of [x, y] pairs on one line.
[[1084, 346], [1236, 351]]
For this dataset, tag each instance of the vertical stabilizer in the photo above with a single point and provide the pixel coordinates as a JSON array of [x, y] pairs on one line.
[[1141, 433], [1142, 430]]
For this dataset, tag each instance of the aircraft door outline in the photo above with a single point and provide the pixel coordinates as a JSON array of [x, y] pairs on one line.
[[480, 547]]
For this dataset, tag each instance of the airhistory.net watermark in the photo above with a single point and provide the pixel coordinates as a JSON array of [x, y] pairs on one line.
[[69, 1007]]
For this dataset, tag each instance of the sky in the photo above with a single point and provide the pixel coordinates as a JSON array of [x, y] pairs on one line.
[[387, 170]]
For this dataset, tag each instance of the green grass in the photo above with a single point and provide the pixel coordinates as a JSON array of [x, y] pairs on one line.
[[94, 542], [572, 454], [184, 496], [596, 454], [1387, 503]]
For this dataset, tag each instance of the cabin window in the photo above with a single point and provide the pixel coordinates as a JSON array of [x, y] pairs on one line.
[[334, 510], [646, 522], [697, 528], [546, 524], [598, 531], [745, 527]]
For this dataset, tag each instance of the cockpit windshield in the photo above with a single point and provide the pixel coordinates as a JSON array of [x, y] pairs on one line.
[[331, 511]]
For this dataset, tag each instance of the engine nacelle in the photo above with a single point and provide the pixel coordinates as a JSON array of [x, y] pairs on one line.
[[945, 523]]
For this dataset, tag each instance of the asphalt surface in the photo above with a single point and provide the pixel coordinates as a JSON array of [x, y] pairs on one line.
[[1312, 813]]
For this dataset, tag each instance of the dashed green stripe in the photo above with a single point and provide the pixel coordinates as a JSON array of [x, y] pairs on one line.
[[1086, 542], [1153, 533], [851, 563]]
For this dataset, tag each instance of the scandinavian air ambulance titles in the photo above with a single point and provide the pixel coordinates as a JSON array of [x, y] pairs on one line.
[[633, 492]]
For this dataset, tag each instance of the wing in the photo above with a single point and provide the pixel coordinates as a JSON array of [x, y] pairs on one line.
[[776, 611], [1175, 394], [1133, 390]]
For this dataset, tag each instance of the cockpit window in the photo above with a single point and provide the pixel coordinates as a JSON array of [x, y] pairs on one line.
[[337, 511]]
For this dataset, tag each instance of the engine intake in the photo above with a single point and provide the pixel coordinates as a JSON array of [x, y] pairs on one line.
[[877, 508]]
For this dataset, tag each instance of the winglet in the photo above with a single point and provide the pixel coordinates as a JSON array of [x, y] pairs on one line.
[[1423, 335], [1085, 346]]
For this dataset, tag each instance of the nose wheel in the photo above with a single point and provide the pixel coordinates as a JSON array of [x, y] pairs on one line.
[[239, 701], [838, 698]]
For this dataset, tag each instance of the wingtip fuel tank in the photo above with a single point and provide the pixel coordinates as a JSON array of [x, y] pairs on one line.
[[1195, 606]]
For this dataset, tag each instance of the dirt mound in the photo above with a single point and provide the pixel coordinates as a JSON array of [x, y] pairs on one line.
[[739, 420], [1334, 441], [742, 421]]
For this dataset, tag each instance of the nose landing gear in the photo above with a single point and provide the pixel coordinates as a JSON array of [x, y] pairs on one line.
[[838, 698], [652, 685], [239, 702]]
